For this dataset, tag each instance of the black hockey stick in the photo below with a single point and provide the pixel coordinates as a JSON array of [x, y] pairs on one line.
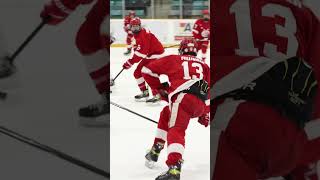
[[11, 58], [26, 42], [53, 151], [117, 105], [118, 74]]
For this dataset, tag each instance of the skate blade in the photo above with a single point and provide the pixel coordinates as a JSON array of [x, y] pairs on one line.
[[95, 122], [141, 100], [153, 103], [149, 164]]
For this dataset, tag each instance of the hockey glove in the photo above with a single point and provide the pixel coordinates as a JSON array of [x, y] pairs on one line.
[[204, 119], [55, 12], [127, 65]]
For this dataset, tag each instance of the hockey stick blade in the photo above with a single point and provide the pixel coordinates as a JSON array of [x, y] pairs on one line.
[[53, 151], [121, 107], [3, 95]]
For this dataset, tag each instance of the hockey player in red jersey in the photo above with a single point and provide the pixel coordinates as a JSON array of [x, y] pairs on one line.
[[188, 98], [146, 49], [259, 49], [91, 42], [201, 32], [126, 27]]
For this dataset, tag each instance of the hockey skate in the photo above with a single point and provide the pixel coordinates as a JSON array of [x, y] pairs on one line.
[[6, 68], [173, 173], [153, 155], [127, 53], [95, 114], [154, 99], [143, 95]]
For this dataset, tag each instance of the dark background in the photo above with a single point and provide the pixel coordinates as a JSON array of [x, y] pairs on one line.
[[44, 97]]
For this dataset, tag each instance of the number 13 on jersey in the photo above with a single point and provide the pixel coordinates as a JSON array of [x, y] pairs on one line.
[[241, 10], [195, 72]]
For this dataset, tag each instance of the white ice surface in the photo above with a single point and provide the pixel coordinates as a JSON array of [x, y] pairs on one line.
[[132, 135]]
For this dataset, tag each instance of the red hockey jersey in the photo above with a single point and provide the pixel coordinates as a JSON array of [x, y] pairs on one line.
[[146, 46], [252, 35], [201, 30], [126, 24], [182, 71]]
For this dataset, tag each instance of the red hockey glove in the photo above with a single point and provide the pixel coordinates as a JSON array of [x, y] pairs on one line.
[[204, 119], [127, 65], [55, 12]]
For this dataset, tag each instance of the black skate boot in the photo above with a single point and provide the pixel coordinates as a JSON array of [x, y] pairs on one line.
[[95, 114], [154, 99], [173, 173], [144, 94], [6, 68], [128, 52], [153, 155]]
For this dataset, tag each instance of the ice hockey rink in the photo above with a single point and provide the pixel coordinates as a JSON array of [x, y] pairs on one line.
[[132, 136], [44, 96]]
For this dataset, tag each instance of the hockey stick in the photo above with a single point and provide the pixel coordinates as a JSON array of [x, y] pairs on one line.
[[11, 59], [118, 74], [175, 45], [53, 151], [121, 107], [26, 42]]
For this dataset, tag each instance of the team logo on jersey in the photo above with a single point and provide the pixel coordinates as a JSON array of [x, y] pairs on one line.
[[295, 99], [205, 33]]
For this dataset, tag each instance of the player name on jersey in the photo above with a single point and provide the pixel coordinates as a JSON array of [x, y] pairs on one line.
[[190, 58]]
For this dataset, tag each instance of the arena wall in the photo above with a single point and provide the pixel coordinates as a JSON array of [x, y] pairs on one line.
[[168, 31]]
